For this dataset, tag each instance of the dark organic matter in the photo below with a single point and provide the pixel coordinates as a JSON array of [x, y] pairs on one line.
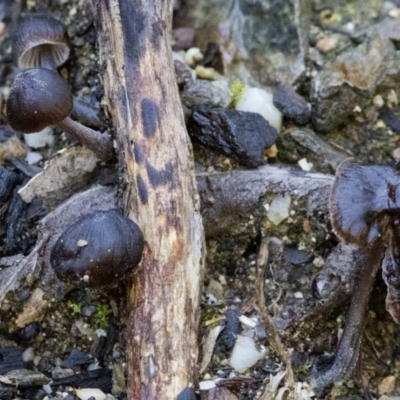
[[240, 135], [291, 104]]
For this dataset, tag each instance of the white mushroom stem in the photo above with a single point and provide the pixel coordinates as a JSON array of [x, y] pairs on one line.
[[100, 143]]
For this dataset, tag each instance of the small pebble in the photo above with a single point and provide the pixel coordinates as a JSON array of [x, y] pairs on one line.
[[378, 101], [207, 73], [244, 354], [40, 139], [32, 157], [11, 148], [28, 355], [207, 385], [193, 56], [291, 104], [304, 164], [327, 44], [279, 209], [260, 101], [387, 385], [247, 321], [86, 394]]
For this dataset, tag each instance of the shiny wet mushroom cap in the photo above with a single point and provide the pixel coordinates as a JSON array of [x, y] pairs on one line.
[[39, 97], [98, 250], [364, 202], [40, 41]]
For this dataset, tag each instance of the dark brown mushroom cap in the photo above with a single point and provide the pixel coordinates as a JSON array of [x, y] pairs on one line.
[[38, 98], [98, 250], [40, 40], [365, 201]]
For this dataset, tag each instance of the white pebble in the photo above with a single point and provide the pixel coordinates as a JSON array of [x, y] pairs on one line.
[[193, 55], [85, 394], [247, 321], [244, 354], [40, 139], [32, 157], [207, 385], [260, 101], [304, 164], [28, 355], [279, 209]]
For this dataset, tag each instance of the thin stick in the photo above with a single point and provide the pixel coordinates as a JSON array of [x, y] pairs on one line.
[[272, 332]]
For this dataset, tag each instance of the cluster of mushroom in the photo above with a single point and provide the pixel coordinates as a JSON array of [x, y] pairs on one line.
[[39, 96], [102, 247]]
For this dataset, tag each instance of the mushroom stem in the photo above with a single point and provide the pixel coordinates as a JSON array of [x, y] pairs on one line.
[[100, 143], [46, 57], [347, 352]]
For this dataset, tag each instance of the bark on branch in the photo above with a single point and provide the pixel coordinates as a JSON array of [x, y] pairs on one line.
[[160, 194], [226, 195]]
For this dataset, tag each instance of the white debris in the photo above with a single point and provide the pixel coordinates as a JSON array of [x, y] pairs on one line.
[[304, 164], [86, 394], [32, 157], [211, 299], [209, 345], [193, 56], [279, 209], [28, 355], [101, 332], [84, 328], [207, 385], [260, 101], [47, 388], [40, 139], [247, 321], [245, 354]]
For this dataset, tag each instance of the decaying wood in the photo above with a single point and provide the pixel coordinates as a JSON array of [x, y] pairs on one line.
[[160, 194], [226, 195]]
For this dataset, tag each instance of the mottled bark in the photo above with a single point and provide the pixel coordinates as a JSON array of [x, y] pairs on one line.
[[160, 194], [226, 195]]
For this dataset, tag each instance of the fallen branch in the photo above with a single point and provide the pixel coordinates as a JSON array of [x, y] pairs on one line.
[[227, 195], [160, 194]]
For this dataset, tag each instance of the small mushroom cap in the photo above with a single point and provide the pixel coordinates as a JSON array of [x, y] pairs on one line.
[[98, 250], [365, 201], [38, 98], [40, 40]]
